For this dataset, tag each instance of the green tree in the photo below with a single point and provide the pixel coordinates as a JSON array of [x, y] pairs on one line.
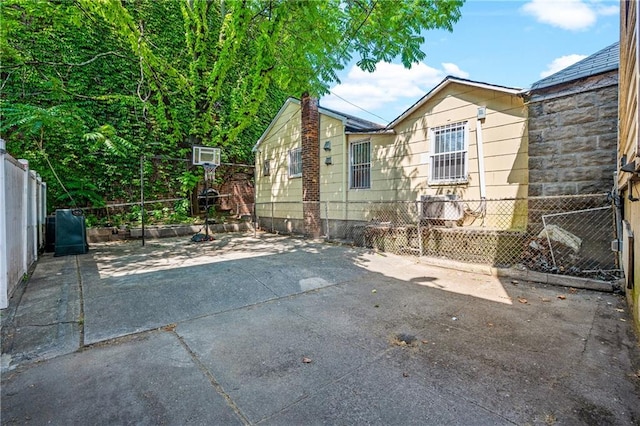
[[62, 76], [235, 52], [131, 74]]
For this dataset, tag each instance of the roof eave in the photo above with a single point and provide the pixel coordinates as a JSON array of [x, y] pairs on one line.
[[370, 132], [273, 122], [445, 82], [579, 78]]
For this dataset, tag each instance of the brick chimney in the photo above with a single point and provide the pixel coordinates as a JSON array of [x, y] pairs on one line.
[[311, 166]]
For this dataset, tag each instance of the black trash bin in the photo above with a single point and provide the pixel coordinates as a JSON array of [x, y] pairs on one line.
[[50, 234], [71, 232]]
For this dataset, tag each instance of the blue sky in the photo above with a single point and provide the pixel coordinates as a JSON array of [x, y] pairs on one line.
[[509, 43]]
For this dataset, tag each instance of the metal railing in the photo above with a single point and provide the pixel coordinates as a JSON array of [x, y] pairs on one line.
[[566, 235]]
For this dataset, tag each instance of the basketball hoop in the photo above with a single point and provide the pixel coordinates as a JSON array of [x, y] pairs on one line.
[[209, 171], [209, 158]]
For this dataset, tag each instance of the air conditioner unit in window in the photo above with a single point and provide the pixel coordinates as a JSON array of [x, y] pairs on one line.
[[441, 208]]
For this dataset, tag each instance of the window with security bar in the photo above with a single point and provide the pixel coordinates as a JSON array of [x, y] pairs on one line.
[[360, 176], [295, 162], [449, 153]]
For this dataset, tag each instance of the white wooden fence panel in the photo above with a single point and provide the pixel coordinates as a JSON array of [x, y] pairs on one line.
[[22, 221]]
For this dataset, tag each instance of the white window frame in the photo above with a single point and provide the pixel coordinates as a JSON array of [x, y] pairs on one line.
[[295, 162], [448, 152], [360, 163]]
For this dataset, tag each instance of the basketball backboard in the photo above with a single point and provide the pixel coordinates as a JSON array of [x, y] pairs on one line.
[[206, 155]]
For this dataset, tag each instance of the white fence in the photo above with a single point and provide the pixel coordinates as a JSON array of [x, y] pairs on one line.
[[23, 200]]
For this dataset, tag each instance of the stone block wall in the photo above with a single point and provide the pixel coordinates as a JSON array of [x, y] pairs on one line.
[[572, 137]]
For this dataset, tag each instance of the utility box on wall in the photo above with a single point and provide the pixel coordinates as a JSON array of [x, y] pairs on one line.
[[70, 232]]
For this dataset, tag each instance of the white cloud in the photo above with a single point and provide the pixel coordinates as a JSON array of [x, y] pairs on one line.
[[390, 89], [608, 10], [571, 15], [453, 69], [561, 63]]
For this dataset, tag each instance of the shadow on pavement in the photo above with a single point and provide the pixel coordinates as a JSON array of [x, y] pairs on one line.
[[279, 330]]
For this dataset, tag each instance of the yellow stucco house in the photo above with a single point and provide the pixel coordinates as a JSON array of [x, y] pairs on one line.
[[464, 140]]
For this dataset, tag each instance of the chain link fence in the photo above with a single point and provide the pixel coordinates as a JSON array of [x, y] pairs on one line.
[[566, 235]]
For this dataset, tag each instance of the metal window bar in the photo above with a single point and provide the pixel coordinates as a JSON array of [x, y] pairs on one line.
[[361, 164], [449, 158], [449, 166], [295, 162]]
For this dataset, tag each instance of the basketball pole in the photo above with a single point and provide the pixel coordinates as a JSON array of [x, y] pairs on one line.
[[209, 159], [142, 196], [206, 206]]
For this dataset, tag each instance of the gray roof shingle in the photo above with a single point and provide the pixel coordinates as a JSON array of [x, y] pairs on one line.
[[355, 124], [607, 59]]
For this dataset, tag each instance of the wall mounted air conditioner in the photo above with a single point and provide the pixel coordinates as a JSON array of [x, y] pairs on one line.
[[441, 207]]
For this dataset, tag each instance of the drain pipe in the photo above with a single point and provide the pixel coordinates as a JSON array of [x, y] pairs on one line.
[[617, 200], [482, 113], [480, 148]]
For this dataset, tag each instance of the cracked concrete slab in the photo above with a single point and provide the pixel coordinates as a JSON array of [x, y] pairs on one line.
[[279, 330], [146, 380], [45, 321]]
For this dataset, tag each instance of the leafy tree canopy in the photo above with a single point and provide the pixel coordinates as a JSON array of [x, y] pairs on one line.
[[235, 51], [92, 84]]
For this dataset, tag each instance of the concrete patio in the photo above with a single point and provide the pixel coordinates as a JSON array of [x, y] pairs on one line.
[[281, 330]]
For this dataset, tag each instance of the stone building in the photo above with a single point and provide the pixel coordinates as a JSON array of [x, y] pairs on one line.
[[572, 125]]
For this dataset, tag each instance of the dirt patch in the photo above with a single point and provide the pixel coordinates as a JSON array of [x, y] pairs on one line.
[[592, 414], [403, 339]]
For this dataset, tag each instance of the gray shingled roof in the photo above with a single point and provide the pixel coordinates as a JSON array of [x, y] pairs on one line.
[[607, 59], [355, 124]]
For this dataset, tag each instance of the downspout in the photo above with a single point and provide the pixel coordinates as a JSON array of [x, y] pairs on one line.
[[481, 177], [616, 200], [346, 158], [480, 148], [345, 165]]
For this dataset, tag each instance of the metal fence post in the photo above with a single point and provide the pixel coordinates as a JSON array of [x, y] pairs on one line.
[[326, 212], [272, 214], [420, 242], [256, 220]]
